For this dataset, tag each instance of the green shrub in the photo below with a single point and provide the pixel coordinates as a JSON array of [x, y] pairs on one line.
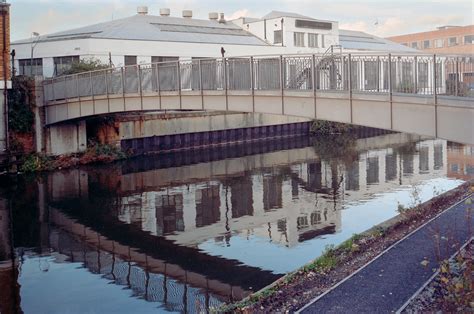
[[36, 162]]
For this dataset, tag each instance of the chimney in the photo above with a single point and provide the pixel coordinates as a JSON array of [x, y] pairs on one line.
[[213, 16], [187, 14], [222, 19], [165, 12], [142, 10]]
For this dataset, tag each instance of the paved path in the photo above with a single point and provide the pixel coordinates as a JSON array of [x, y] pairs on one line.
[[388, 282]]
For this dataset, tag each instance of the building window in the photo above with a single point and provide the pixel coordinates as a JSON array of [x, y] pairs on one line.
[[323, 43], [278, 37], [438, 43], [27, 67], [62, 64], [426, 44], [452, 41], [414, 45], [299, 39], [469, 39], [130, 60], [313, 40], [405, 44], [155, 59]]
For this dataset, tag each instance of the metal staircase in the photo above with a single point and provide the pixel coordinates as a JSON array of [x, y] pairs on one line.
[[328, 66]]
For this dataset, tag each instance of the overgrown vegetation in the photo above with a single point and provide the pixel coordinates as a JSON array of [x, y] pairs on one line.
[[95, 153], [323, 127], [20, 102], [86, 65], [36, 163]]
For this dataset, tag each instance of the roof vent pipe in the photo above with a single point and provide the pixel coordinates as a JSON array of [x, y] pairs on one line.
[[213, 16], [165, 12], [222, 19], [142, 10], [187, 14]]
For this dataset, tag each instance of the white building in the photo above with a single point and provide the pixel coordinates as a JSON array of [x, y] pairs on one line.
[[145, 38], [138, 39], [297, 33]]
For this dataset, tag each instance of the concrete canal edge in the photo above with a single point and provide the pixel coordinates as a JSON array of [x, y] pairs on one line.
[[390, 223]]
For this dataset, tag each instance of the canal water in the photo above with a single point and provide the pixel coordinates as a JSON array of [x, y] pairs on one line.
[[185, 232]]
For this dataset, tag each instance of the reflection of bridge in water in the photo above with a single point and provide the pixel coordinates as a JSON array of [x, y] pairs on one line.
[[152, 279], [156, 218]]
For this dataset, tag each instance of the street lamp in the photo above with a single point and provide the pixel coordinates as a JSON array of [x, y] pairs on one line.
[[33, 45]]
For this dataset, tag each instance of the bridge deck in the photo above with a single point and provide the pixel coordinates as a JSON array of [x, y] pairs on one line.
[[426, 95]]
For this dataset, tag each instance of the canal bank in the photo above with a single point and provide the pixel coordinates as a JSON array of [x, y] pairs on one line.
[[365, 272]]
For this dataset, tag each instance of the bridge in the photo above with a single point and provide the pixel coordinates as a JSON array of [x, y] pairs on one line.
[[423, 94]]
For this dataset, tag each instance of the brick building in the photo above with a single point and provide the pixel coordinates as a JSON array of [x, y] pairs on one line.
[[5, 80], [446, 39]]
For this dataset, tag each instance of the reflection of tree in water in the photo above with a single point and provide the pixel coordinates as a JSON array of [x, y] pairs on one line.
[[338, 150]]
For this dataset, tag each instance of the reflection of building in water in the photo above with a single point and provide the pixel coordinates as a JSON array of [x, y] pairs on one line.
[[208, 202], [241, 198], [169, 213], [272, 189], [460, 161], [9, 287], [292, 198]]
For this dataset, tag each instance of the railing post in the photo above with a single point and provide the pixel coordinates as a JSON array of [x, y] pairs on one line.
[[225, 84], [313, 79], [456, 85], [78, 94], [122, 71], [390, 89], [92, 92], [52, 89], [107, 89], [378, 74], [200, 84], [178, 70], [65, 96], [435, 81], [435, 95], [350, 84], [252, 84], [158, 84], [415, 83], [281, 85], [140, 88]]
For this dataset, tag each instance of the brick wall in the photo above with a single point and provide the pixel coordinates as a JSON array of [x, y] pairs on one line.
[[5, 46], [443, 34]]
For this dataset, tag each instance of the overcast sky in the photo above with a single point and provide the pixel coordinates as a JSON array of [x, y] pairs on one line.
[[382, 17]]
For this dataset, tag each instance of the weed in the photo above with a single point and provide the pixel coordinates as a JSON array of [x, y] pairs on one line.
[[36, 162]]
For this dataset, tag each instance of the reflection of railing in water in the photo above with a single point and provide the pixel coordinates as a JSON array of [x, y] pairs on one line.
[[202, 270], [175, 295]]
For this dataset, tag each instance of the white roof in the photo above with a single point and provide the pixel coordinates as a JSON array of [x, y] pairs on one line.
[[279, 14], [160, 28], [362, 41]]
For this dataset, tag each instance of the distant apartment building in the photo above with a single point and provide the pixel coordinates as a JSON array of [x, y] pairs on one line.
[[446, 40]]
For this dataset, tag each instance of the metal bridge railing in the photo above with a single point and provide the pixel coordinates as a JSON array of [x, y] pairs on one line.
[[384, 73]]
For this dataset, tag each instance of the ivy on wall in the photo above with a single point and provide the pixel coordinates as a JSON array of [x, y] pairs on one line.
[[20, 101]]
